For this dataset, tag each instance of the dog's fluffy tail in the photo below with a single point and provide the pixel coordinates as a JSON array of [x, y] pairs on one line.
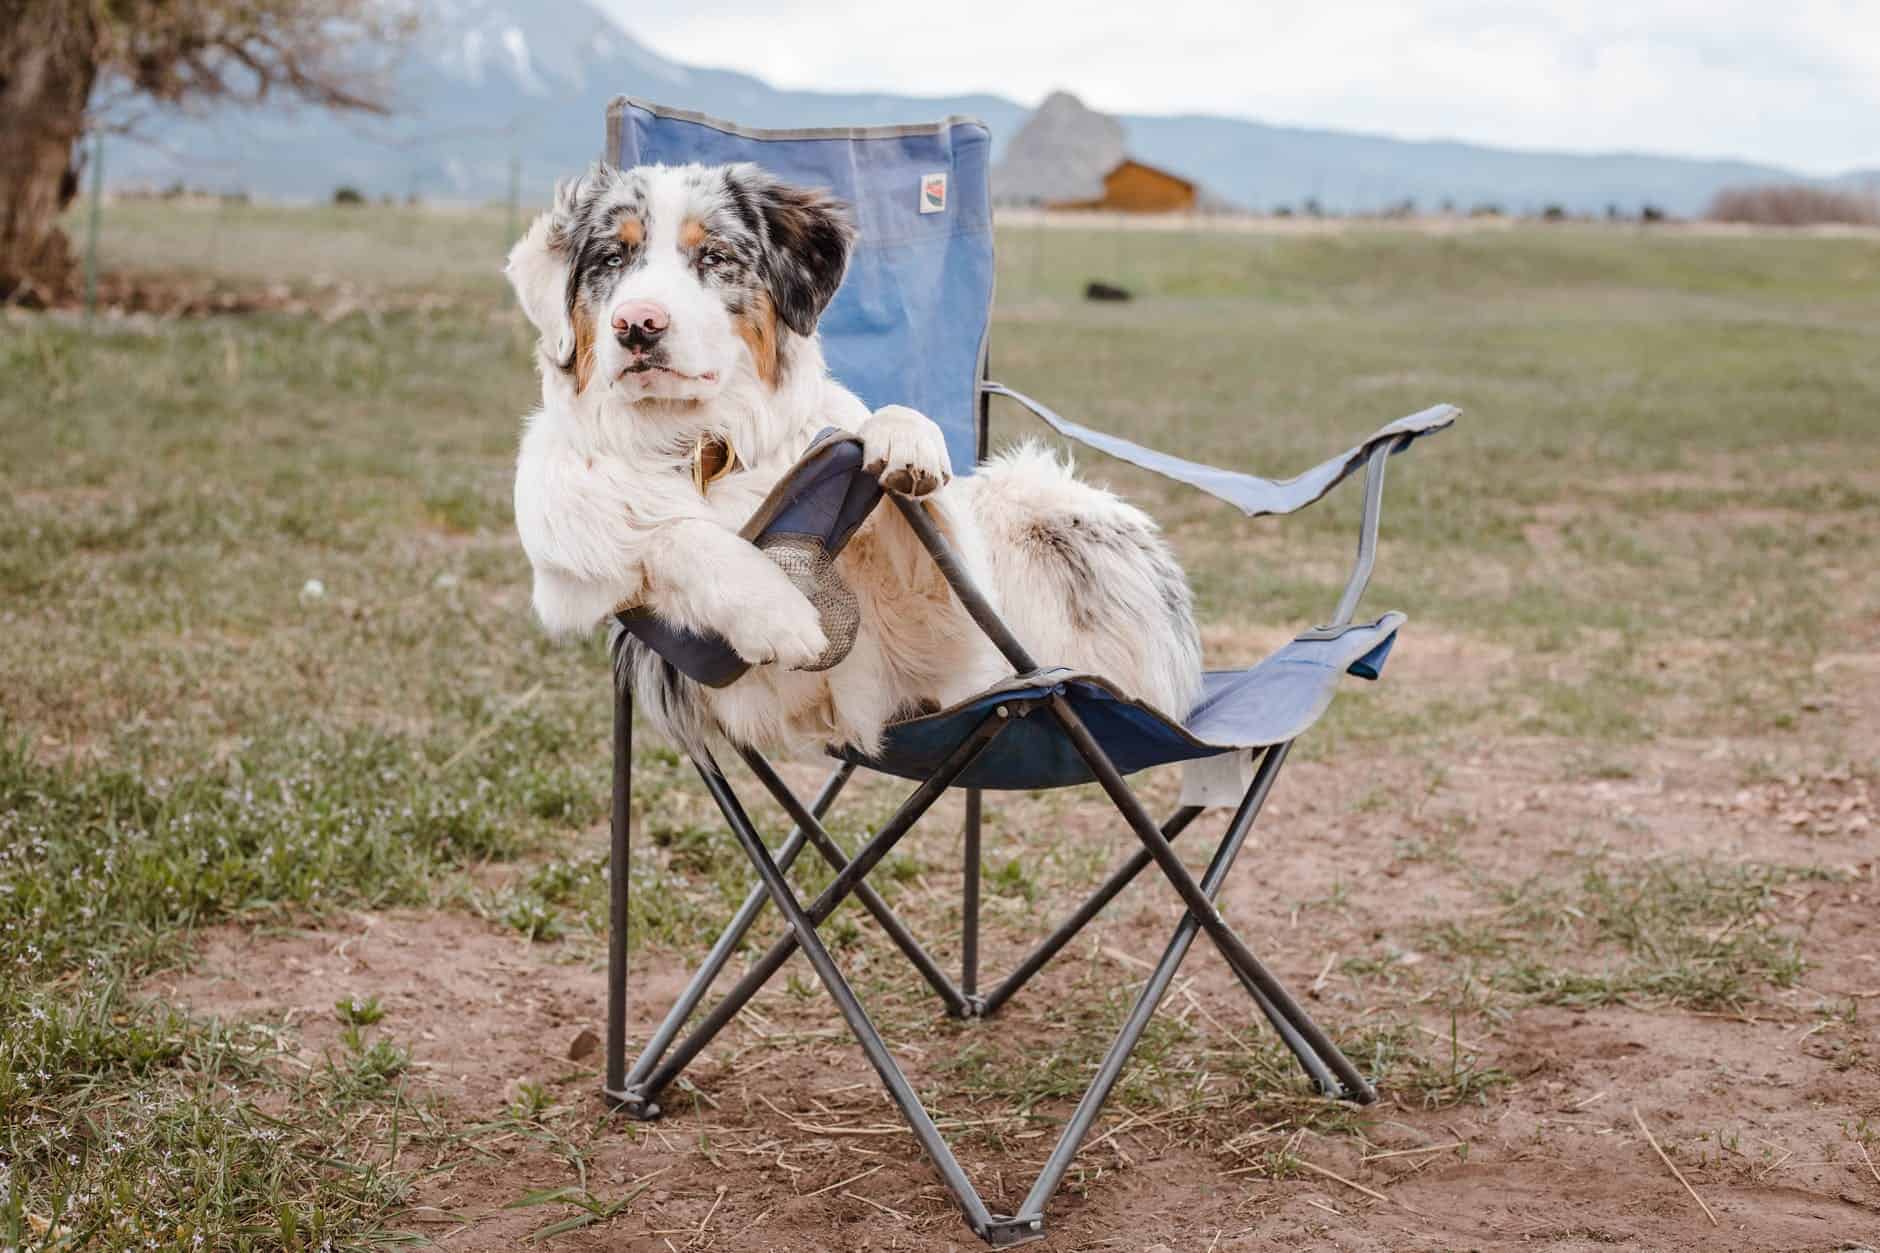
[[1086, 580]]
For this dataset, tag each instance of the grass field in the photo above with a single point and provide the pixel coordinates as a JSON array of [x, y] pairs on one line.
[[302, 823]]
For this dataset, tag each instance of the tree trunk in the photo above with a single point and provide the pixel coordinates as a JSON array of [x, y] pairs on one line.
[[47, 71]]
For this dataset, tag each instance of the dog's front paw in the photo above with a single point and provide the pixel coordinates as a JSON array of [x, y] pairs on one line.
[[779, 627], [906, 451]]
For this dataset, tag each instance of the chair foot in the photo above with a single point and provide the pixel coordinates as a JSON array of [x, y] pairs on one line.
[[973, 1006], [1003, 1233], [1363, 1094], [632, 1103]]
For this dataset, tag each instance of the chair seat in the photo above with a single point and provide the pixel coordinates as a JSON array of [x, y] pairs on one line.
[[1263, 704]]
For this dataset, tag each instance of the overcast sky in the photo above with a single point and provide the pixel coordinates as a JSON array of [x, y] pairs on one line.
[[1792, 82]]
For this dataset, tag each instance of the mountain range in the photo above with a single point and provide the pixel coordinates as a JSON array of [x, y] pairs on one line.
[[498, 90]]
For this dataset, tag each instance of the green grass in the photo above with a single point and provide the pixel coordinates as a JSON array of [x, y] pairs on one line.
[[1686, 932], [379, 249], [124, 1126], [1665, 437], [265, 650]]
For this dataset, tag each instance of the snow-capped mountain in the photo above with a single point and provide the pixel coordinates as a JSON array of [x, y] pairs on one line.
[[488, 85], [485, 83]]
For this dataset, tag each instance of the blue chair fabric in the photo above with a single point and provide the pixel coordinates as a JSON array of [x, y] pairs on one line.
[[908, 325], [1260, 705]]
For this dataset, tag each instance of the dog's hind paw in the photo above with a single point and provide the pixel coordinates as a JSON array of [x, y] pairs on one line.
[[906, 451]]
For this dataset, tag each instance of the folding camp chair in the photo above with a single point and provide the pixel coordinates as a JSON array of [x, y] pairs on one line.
[[909, 327]]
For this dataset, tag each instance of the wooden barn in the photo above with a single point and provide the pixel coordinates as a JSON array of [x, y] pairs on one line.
[[1132, 187]]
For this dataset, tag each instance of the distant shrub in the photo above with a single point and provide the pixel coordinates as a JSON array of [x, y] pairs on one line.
[[1554, 213], [1791, 204], [1283, 211], [1313, 208], [1651, 213], [348, 195], [1485, 210]]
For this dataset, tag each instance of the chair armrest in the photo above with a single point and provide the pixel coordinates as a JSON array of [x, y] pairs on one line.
[[1360, 577], [823, 499], [1251, 494], [1255, 496]]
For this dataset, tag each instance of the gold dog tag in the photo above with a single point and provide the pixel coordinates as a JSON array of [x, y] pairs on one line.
[[713, 457]]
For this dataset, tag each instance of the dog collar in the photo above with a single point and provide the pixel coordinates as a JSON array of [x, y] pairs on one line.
[[713, 457]]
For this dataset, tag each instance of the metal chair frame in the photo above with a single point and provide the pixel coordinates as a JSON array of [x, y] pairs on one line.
[[637, 1090]]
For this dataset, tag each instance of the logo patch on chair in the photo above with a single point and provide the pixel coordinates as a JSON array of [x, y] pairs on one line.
[[933, 193]]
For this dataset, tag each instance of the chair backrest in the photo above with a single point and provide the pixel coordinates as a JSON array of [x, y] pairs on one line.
[[909, 325]]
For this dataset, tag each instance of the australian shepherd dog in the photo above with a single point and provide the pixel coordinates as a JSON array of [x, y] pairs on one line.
[[681, 377]]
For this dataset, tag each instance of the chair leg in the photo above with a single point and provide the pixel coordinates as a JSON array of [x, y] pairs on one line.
[[1068, 929], [1125, 874], [1153, 990], [864, 861], [969, 902], [618, 866], [733, 935], [832, 853], [1202, 909], [803, 927], [654, 1071]]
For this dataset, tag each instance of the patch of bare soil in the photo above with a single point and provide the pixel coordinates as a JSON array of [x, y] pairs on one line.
[[786, 1142]]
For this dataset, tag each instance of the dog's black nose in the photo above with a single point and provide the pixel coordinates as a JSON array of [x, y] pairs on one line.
[[640, 324]]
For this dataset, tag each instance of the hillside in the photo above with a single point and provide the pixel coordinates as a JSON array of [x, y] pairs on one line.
[[491, 83]]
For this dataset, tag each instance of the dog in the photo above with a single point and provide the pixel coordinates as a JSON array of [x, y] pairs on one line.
[[682, 376]]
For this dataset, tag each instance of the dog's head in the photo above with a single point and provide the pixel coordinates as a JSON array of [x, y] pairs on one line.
[[662, 282]]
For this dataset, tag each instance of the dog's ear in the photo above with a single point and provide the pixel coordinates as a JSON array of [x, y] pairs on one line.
[[807, 237], [541, 264]]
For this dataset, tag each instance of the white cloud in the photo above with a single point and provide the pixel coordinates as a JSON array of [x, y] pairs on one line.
[[1794, 84]]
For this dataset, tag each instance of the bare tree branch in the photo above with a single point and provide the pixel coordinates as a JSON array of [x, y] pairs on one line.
[[328, 53], [65, 65]]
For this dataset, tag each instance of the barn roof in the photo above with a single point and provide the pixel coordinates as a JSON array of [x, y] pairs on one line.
[[1171, 175], [1062, 152]]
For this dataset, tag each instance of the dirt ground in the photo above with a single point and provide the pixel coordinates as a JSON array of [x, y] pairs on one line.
[[790, 1145], [1597, 856]]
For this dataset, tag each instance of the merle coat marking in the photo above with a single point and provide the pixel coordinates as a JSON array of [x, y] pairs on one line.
[[678, 303]]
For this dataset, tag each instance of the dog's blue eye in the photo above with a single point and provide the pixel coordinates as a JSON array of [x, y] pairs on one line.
[[711, 259], [615, 261]]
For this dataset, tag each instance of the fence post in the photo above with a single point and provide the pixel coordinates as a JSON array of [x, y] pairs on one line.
[[515, 200], [91, 233], [510, 219]]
